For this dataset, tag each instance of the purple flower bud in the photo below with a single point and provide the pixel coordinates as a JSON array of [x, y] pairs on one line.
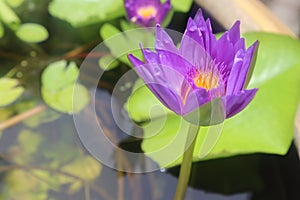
[[146, 13]]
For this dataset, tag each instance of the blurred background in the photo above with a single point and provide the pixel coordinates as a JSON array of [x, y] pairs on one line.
[[41, 155], [288, 11]]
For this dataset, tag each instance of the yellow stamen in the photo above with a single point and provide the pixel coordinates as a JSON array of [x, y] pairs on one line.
[[206, 80], [147, 12]]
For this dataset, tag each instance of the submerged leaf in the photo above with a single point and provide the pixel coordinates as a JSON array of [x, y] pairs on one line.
[[19, 184], [28, 143], [86, 168]]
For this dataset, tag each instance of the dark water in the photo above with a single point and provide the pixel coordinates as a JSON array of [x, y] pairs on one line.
[[248, 177]]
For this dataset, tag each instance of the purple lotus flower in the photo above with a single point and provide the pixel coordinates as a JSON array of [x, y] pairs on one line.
[[201, 71], [147, 12]]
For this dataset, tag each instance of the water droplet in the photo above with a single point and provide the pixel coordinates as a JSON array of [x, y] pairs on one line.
[[163, 170]]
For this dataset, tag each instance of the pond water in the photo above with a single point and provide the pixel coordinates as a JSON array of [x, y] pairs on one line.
[[48, 161], [42, 156]]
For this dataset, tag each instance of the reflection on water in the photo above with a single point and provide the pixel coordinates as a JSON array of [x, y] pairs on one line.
[[48, 161]]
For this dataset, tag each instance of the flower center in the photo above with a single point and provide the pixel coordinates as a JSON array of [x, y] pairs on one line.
[[206, 80], [147, 12]]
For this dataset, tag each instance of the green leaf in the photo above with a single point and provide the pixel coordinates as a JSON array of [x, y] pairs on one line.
[[137, 110], [1, 30], [122, 43], [24, 185], [59, 89], [66, 100], [31, 32], [182, 5], [14, 3], [86, 12], [8, 16], [108, 62], [167, 19], [28, 145], [107, 31], [9, 91], [265, 126], [86, 168], [57, 75]]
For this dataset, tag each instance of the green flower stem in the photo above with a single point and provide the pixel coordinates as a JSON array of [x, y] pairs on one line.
[[185, 169]]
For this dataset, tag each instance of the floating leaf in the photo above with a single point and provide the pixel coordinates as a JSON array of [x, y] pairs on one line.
[[85, 12], [122, 43], [59, 89], [266, 125], [108, 62], [58, 74], [137, 110], [9, 91], [66, 100], [1, 30], [14, 3], [182, 5], [31, 32], [8, 16]]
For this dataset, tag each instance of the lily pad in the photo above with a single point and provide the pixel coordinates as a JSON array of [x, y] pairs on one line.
[[86, 12], [182, 5], [9, 91], [1, 30], [8, 16], [265, 126], [31, 32], [59, 89], [108, 62], [14, 3], [122, 43], [137, 110]]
